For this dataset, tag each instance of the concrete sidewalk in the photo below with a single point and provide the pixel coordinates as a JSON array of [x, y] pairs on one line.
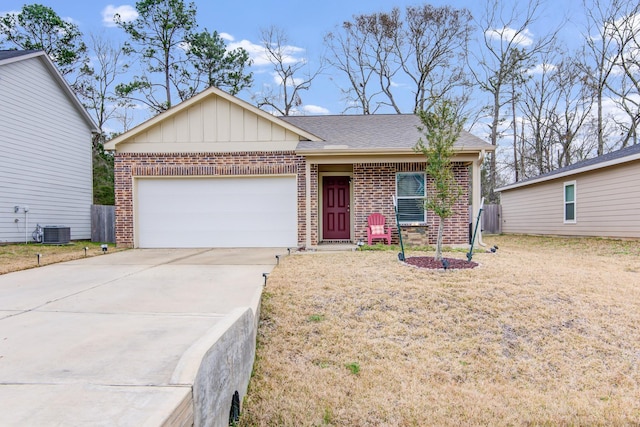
[[119, 339]]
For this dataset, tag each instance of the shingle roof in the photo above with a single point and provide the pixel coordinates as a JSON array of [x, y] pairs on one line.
[[589, 164], [372, 131], [8, 54]]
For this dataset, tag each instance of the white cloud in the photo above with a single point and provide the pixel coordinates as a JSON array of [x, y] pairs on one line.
[[256, 51], [315, 109], [226, 36], [291, 54], [127, 13], [292, 82], [522, 38], [542, 68], [70, 20]]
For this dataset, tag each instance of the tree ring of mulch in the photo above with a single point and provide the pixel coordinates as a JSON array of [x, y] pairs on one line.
[[431, 263]]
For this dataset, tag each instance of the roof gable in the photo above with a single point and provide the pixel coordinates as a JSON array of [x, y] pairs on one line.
[[213, 116], [14, 56]]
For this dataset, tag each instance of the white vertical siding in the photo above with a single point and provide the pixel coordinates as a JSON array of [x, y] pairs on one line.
[[45, 154], [607, 205]]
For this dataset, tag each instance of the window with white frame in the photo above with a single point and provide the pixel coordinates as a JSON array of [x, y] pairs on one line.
[[411, 191], [570, 202]]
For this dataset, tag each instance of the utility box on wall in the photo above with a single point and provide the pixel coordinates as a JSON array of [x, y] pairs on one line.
[[55, 234]]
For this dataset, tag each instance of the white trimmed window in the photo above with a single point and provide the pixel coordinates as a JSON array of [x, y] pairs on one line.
[[411, 191], [570, 202]]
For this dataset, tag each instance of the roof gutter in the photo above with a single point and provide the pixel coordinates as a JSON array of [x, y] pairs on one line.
[[331, 151]]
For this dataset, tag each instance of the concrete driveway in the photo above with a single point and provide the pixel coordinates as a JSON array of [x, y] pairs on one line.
[[139, 337]]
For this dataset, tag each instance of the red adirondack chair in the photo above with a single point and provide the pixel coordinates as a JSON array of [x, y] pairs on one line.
[[377, 229]]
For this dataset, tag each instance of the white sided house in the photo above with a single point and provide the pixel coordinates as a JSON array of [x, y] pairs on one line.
[[597, 197], [45, 151]]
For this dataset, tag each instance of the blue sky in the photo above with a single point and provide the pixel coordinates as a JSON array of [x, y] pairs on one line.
[[304, 22]]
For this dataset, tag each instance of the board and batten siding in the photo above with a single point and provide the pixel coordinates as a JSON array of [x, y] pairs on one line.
[[45, 154], [607, 205], [213, 124]]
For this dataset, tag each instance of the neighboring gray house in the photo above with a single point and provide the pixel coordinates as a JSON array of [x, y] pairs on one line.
[[45, 150], [596, 197]]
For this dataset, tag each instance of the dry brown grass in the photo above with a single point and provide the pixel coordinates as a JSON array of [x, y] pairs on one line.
[[545, 332], [15, 257]]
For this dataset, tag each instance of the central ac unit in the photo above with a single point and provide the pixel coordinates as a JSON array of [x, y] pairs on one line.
[[57, 235]]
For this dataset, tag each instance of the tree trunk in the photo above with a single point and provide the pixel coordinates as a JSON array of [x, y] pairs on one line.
[[515, 131], [167, 79], [600, 124], [439, 242], [494, 141]]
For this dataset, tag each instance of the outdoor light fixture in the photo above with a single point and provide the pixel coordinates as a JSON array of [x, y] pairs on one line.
[[104, 248], [265, 275], [39, 255], [277, 259], [85, 251]]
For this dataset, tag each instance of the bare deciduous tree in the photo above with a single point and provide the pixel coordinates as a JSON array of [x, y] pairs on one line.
[[556, 105], [437, 39], [507, 49], [600, 55], [292, 75], [350, 55], [625, 33], [423, 49]]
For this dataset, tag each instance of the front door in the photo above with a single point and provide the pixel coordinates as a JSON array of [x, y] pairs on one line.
[[336, 220]]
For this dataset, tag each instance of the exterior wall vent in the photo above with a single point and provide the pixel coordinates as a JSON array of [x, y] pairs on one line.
[[56, 235]]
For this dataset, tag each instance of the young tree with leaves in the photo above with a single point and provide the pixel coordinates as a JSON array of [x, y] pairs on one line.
[[38, 27], [441, 127]]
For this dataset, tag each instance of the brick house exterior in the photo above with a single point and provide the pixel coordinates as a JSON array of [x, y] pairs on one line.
[[215, 135]]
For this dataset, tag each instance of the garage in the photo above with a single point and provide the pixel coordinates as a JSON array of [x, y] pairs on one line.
[[216, 212]]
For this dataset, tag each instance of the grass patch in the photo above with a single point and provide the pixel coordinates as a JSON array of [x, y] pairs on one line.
[[15, 257], [316, 318], [543, 332], [353, 367]]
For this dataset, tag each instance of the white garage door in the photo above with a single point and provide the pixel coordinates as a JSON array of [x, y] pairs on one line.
[[216, 212]]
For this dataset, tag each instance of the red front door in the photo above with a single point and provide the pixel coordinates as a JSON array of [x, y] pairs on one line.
[[335, 208]]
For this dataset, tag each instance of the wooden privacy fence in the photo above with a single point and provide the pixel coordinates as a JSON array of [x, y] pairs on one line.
[[492, 219], [103, 223]]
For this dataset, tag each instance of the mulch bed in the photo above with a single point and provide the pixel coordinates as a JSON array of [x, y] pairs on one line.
[[431, 263]]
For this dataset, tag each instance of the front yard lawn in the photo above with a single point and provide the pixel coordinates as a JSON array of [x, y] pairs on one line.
[[20, 256], [544, 332]]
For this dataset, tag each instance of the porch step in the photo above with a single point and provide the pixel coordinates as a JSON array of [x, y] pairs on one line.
[[334, 247]]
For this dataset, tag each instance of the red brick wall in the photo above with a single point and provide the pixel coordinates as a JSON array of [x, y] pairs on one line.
[[315, 232], [373, 188], [130, 165]]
